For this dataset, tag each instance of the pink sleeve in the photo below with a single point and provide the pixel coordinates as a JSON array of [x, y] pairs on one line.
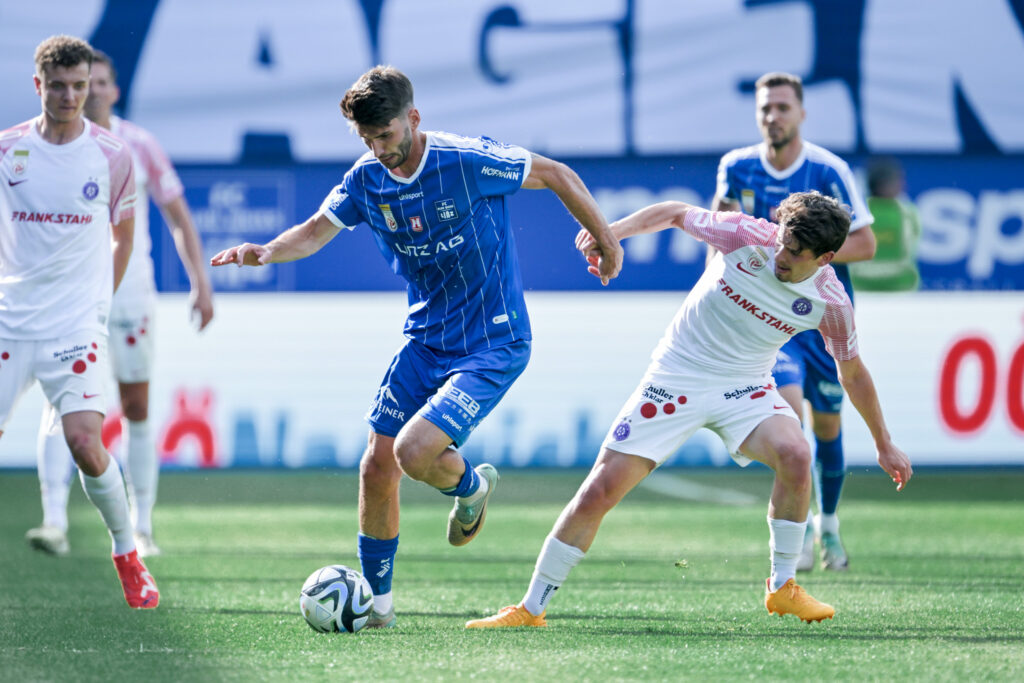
[[837, 325], [728, 231], [122, 186], [10, 137], [163, 182]]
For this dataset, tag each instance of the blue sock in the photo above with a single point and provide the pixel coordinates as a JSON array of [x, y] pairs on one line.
[[833, 472], [377, 559], [468, 485]]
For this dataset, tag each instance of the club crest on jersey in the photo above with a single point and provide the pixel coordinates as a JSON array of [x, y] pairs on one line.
[[20, 162], [757, 260], [747, 200], [802, 306], [389, 218], [446, 210], [90, 190], [416, 223]]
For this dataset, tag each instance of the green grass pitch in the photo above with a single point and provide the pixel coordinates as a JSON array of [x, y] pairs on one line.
[[671, 590]]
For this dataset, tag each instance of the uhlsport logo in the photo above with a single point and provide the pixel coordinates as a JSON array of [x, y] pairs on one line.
[[802, 306]]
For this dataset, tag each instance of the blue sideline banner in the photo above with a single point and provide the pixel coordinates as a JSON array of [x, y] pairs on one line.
[[972, 212]]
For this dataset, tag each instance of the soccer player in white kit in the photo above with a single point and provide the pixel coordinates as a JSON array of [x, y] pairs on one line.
[[131, 329], [68, 200], [713, 369]]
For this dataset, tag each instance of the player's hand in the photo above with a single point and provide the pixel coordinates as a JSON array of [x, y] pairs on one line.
[[201, 303], [896, 464], [247, 254], [603, 262]]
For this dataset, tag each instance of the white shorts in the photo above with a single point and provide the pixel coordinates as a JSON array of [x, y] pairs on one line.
[[72, 371], [666, 409], [131, 344]]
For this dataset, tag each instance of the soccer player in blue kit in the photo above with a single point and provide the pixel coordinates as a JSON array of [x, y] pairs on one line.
[[755, 180], [437, 204]]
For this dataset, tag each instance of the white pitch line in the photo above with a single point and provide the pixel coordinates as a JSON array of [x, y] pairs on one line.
[[677, 487]]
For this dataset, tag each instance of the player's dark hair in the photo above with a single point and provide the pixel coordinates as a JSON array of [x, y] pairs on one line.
[[777, 78], [62, 50], [101, 57], [816, 222], [381, 94]]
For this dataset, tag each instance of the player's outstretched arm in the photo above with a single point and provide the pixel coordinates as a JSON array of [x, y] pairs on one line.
[[605, 253], [295, 243], [649, 219], [122, 239], [857, 382], [190, 251]]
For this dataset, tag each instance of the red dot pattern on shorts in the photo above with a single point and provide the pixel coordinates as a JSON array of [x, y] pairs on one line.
[[5, 355], [682, 400], [79, 366], [669, 408], [648, 410], [130, 340]]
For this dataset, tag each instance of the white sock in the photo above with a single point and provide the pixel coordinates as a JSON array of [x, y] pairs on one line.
[[55, 469], [106, 492], [141, 470], [786, 538], [555, 562], [382, 603], [480, 492], [828, 524]]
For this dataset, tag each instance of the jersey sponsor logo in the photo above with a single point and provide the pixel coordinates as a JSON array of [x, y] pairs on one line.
[[386, 396], [657, 394], [802, 306], [430, 249], [336, 201], [506, 173], [755, 310], [40, 217], [410, 195], [90, 190], [416, 223], [389, 218], [753, 390], [463, 400], [446, 210]]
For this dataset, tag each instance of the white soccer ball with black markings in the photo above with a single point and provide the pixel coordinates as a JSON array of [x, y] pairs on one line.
[[336, 599]]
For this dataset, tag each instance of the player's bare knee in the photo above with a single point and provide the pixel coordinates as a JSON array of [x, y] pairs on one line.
[[793, 462], [88, 452], [378, 472]]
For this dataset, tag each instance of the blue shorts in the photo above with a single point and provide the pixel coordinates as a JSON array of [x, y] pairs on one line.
[[452, 391], [805, 362]]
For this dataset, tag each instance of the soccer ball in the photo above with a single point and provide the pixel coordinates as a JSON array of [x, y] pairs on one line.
[[336, 599]]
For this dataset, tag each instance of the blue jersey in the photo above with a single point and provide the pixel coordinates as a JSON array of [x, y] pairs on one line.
[[446, 231], [746, 177]]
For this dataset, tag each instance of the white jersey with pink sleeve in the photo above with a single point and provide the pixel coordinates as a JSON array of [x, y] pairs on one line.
[[155, 178], [57, 203], [739, 314]]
